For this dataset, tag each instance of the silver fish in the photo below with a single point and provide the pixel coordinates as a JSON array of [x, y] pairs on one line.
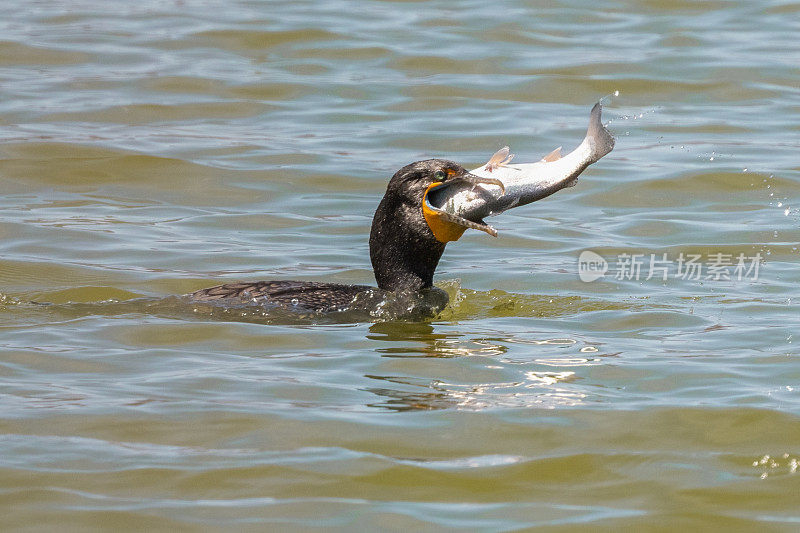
[[514, 185]]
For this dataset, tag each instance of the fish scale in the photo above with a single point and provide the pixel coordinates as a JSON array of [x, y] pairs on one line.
[[522, 183]]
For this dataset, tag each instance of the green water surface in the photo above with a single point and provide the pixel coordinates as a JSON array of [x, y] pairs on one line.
[[149, 149]]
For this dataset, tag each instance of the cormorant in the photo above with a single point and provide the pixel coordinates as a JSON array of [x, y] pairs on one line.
[[402, 246], [426, 205]]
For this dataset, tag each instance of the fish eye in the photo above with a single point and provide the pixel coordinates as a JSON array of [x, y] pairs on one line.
[[439, 175]]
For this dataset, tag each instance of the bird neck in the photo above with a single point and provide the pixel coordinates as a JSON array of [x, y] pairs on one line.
[[402, 248]]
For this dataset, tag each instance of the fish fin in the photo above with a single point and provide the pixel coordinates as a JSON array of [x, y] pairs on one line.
[[499, 158], [601, 139], [555, 155]]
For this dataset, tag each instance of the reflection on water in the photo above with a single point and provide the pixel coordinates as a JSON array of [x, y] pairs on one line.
[[783, 464], [526, 370], [540, 388]]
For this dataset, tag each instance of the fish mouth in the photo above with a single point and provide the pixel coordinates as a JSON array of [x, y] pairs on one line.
[[448, 226]]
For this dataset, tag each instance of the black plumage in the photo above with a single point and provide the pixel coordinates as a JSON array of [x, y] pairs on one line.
[[403, 250], [307, 295]]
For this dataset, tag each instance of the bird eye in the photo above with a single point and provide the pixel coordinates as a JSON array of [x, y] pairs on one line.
[[439, 175]]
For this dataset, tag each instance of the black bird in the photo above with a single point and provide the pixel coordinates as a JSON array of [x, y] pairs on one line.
[[410, 231], [402, 246]]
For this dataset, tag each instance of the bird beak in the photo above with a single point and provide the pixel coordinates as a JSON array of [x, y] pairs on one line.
[[446, 226]]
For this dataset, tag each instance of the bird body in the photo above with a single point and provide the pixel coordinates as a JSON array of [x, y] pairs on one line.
[[427, 204]]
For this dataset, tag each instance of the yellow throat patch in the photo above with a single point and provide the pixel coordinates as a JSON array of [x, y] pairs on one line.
[[441, 224]]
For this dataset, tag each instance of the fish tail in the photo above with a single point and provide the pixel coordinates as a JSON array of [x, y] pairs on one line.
[[602, 141]]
